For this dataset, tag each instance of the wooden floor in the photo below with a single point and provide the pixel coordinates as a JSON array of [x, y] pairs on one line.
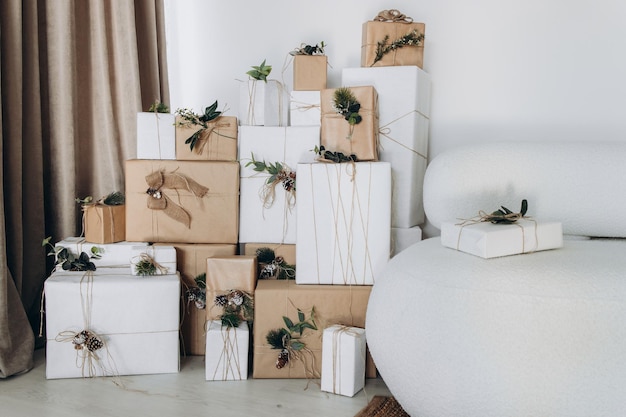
[[185, 394]]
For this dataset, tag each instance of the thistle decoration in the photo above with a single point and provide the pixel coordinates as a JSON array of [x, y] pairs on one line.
[[288, 339], [237, 306], [279, 174], [272, 266], [67, 260], [260, 72], [309, 49], [197, 293], [336, 157], [346, 104], [158, 107], [410, 39], [190, 119]]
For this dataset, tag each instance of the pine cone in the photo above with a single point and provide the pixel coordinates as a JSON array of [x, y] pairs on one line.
[[283, 358], [94, 343]]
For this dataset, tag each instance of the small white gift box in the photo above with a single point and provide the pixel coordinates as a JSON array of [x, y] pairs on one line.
[[489, 240], [163, 257], [402, 238], [343, 360], [105, 255], [263, 103], [226, 352], [156, 136], [304, 108]]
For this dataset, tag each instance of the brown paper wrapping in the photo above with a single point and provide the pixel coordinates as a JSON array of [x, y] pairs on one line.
[[374, 32], [288, 252], [105, 224], [191, 262], [218, 143], [333, 304], [214, 218], [309, 72], [228, 273], [335, 130]]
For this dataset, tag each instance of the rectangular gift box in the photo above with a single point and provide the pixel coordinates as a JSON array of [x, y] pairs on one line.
[[375, 32], [304, 108], [104, 224], [137, 320], [164, 258], [489, 240], [402, 238], [309, 72], [105, 255], [264, 220], [404, 111], [343, 222], [287, 251], [274, 299], [337, 135], [343, 360], [226, 273], [217, 142], [156, 136], [212, 218], [227, 350], [263, 103]]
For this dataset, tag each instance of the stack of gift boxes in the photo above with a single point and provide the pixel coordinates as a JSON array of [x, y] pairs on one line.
[[333, 193]]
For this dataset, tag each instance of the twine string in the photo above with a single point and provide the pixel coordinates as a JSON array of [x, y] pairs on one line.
[[385, 130], [512, 218]]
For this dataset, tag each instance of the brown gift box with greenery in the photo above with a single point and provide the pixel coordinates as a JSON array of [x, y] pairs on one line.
[[104, 224], [226, 273], [309, 72], [288, 252], [331, 304], [216, 142], [388, 33]]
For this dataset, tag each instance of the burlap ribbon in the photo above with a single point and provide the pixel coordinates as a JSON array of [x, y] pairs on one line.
[[392, 15], [158, 200]]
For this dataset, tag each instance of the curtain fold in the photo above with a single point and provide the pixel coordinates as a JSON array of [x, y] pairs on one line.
[[74, 74]]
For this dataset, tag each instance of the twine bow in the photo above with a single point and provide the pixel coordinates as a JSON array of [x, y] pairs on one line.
[[392, 15], [158, 200], [338, 331]]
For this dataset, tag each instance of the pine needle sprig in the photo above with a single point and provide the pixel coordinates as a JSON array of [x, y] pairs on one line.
[[410, 39], [346, 104]]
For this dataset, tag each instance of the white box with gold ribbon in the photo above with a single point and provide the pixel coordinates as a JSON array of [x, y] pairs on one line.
[[156, 136], [227, 350], [263, 103], [304, 108], [404, 112], [343, 360], [103, 255]]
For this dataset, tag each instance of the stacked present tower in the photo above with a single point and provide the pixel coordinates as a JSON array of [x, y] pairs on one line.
[[325, 180]]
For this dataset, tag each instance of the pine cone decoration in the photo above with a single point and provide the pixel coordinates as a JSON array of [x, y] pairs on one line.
[[283, 358], [268, 271], [80, 339], [236, 298], [94, 343], [221, 301]]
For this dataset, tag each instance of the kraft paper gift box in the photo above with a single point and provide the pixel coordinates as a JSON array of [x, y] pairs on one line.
[[402, 238], [105, 255], [287, 252], [156, 136], [227, 350], [226, 273], [343, 360], [337, 135], [191, 262], [199, 201], [260, 221], [304, 108], [163, 257], [309, 72], [104, 223], [216, 142], [274, 299], [489, 240], [404, 111], [263, 103], [375, 32], [136, 319], [343, 222]]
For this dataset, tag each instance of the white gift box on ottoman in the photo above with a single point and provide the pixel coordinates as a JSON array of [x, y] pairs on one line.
[[489, 240], [103, 255], [343, 218], [305, 109], [402, 238], [226, 352], [163, 255], [263, 103], [156, 136], [287, 145], [403, 111], [343, 360], [137, 319]]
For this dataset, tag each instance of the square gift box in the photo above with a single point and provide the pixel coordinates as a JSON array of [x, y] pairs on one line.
[[135, 319], [162, 257], [304, 108], [104, 223], [227, 350], [156, 136], [263, 103], [227, 273], [187, 202], [343, 360], [216, 142], [309, 72], [489, 240], [377, 35], [343, 222], [105, 255]]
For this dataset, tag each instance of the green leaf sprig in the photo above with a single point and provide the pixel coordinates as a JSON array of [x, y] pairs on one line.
[[337, 157], [505, 216], [278, 173], [410, 39], [309, 49], [260, 72], [67, 260], [116, 198], [288, 339], [346, 104], [192, 119]]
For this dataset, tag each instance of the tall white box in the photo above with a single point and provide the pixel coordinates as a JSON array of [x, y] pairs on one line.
[[343, 360], [263, 103], [227, 350], [156, 136]]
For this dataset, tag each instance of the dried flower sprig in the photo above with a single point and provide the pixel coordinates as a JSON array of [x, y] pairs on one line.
[[201, 120], [410, 39], [260, 72], [309, 49], [288, 339]]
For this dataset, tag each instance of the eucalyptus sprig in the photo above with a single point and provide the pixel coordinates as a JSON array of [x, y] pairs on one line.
[[238, 306], [346, 104], [202, 120], [67, 260], [337, 157], [288, 339], [278, 173], [260, 72], [158, 107], [410, 39], [309, 49]]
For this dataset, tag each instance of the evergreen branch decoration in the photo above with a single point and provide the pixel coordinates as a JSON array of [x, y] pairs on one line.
[[260, 72], [238, 306], [272, 266], [288, 339], [410, 39], [116, 198], [197, 294], [346, 104], [202, 120], [158, 107]]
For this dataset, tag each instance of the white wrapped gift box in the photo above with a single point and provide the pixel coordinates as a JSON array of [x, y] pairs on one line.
[[489, 240], [103, 255], [163, 255], [404, 111], [263, 103], [343, 218], [343, 360], [304, 108], [137, 319], [226, 356], [402, 238], [287, 145], [156, 136]]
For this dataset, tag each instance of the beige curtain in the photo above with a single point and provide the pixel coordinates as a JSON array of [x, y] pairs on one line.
[[74, 73]]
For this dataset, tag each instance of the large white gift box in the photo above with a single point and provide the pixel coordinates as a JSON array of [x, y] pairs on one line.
[[489, 240], [304, 108], [343, 218], [404, 112], [263, 103], [103, 255], [260, 221], [162, 256], [226, 356], [343, 360], [156, 136], [402, 238], [136, 319]]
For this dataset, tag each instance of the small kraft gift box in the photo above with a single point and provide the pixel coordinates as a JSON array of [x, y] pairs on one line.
[[225, 275], [343, 360], [309, 67], [155, 136], [104, 223]]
